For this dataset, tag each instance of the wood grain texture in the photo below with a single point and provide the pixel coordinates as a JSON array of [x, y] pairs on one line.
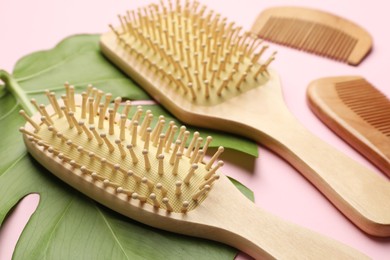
[[225, 215], [314, 31], [260, 114], [357, 112]]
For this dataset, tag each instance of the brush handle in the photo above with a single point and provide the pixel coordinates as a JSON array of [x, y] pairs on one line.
[[264, 236], [358, 192], [260, 114]]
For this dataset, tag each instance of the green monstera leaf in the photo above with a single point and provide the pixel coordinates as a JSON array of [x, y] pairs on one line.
[[67, 224]]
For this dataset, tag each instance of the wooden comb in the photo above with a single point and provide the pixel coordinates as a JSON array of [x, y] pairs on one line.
[[314, 31], [357, 112], [148, 175], [166, 48]]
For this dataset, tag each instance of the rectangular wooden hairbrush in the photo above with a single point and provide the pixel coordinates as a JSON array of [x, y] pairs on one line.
[[148, 175], [314, 31], [206, 72], [357, 112]]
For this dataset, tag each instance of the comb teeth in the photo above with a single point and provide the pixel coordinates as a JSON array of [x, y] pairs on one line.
[[367, 102], [314, 31], [115, 156], [357, 112], [193, 50], [309, 36]]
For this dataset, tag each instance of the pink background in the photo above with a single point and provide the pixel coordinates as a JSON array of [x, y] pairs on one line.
[[28, 26]]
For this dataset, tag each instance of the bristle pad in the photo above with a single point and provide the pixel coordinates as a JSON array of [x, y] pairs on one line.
[[193, 50], [109, 162]]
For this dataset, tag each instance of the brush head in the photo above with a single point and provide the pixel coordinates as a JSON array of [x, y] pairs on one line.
[[147, 174], [126, 157], [314, 31], [188, 50]]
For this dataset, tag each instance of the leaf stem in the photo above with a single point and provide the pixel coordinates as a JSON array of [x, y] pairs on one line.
[[12, 86]]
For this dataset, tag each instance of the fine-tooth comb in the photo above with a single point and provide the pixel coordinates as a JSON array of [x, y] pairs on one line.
[[314, 31], [357, 112], [148, 175], [205, 71]]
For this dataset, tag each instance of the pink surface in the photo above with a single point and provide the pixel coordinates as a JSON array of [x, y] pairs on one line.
[[28, 26]]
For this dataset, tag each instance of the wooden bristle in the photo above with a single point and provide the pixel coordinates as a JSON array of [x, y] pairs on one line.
[[121, 149], [44, 121], [190, 173], [24, 131], [110, 147], [86, 131], [84, 105], [28, 119], [75, 122], [96, 102], [209, 181], [68, 118], [185, 206], [35, 104], [192, 144], [162, 190], [126, 109], [134, 157], [43, 111], [114, 155], [148, 183], [117, 102], [96, 134], [146, 159], [167, 204], [56, 105], [123, 127], [153, 197], [107, 102], [190, 50], [91, 111], [213, 170], [101, 114], [215, 157], [200, 193], [161, 144], [110, 121], [71, 100]]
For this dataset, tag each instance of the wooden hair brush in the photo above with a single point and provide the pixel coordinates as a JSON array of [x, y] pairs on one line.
[[314, 31], [141, 173], [206, 72], [357, 112]]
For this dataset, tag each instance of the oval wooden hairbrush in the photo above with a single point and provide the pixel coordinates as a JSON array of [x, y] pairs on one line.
[[207, 73], [148, 175]]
